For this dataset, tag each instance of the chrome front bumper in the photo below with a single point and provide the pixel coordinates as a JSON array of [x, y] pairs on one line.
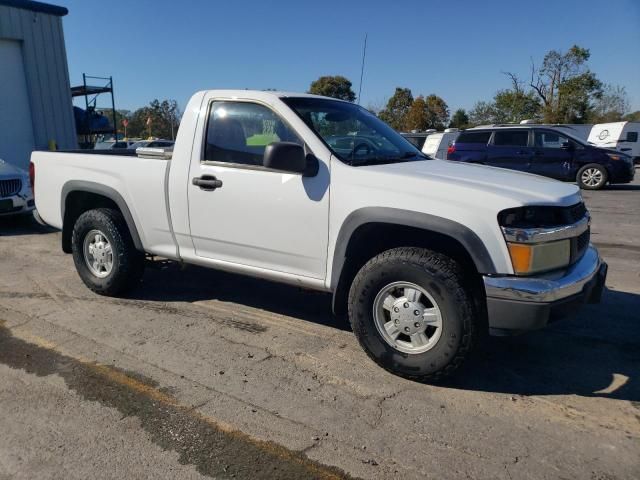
[[526, 303]]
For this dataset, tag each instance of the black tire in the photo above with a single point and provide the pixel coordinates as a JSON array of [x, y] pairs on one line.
[[592, 166], [128, 263], [444, 280]]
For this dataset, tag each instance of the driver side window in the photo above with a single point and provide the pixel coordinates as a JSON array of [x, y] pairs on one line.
[[239, 132], [550, 140]]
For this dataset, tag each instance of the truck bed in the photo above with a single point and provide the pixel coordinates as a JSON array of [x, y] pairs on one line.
[[140, 181]]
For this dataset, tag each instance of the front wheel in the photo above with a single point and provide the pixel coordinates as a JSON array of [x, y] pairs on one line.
[[104, 254], [411, 313], [592, 177]]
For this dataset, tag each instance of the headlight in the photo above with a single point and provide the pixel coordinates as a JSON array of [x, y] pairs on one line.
[[542, 238], [535, 258]]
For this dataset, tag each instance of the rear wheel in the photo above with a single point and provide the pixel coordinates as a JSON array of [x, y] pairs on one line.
[[592, 177], [411, 313], [104, 254]]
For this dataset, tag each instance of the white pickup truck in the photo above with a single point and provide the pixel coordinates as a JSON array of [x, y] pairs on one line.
[[424, 254]]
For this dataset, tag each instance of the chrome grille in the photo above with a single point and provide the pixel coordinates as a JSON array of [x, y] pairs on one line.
[[579, 245], [10, 187]]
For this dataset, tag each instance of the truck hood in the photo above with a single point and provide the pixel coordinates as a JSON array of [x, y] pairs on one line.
[[9, 171], [516, 188]]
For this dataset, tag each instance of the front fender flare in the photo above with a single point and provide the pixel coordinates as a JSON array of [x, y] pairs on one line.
[[467, 238]]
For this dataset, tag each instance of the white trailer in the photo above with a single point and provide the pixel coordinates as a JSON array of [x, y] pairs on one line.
[[621, 136]]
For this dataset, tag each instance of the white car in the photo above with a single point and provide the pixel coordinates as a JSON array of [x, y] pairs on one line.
[[424, 254], [157, 143], [113, 145], [16, 196]]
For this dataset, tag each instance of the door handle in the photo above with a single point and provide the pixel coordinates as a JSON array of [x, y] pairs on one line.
[[538, 153], [207, 182]]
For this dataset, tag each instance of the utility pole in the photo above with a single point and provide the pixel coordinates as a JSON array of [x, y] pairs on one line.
[[364, 53]]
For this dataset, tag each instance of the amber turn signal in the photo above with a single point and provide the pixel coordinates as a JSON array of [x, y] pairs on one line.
[[521, 255]]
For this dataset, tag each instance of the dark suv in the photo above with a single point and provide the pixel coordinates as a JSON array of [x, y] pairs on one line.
[[543, 151]]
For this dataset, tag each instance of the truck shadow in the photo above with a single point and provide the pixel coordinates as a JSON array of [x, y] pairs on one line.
[[596, 354], [169, 282], [15, 225], [622, 187]]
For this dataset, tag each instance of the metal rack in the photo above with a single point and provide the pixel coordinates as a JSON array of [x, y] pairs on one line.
[[91, 93]]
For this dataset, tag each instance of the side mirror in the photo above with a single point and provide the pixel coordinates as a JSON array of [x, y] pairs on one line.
[[566, 146], [285, 156]]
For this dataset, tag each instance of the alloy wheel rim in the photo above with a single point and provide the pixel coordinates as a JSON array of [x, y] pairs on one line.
[[98, 253], [592, 177], [407, 317]]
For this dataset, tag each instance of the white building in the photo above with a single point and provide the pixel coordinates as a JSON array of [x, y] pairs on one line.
[[35, 96]]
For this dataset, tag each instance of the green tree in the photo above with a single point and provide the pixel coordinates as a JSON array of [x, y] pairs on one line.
[[482, 113], [460, 119], [121, 114], [612, 105], [632, 117], [565, 85], [158, 119], [335, 86], [397, 108], [512, 106], [437, 112]]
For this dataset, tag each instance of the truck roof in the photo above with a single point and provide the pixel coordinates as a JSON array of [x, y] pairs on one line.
[[258, 94]]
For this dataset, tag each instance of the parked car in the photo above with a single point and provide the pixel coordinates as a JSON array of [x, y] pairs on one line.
[[423, 254], [157, 143], [113, 145], [417, 138], [16, 196], [437, 144], [580, 131], [620, 136], [543, 151]]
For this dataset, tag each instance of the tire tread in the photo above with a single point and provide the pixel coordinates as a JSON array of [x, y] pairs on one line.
[[446, 270]]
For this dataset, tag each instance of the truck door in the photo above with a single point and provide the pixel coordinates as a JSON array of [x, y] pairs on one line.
[[552, 155], [510, 149], [255, 217]]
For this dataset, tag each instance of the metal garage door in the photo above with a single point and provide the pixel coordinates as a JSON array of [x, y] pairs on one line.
[[16, 127]]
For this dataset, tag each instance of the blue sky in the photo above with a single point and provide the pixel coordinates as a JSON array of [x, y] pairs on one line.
[[455, 49]]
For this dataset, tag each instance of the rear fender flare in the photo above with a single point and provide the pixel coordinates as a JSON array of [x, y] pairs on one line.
[[107, 192]]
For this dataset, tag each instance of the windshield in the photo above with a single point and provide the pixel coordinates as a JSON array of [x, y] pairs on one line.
[[354, 135]]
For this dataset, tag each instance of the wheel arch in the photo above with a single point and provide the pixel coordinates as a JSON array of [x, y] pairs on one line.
[[79, 196], [369, 231]]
